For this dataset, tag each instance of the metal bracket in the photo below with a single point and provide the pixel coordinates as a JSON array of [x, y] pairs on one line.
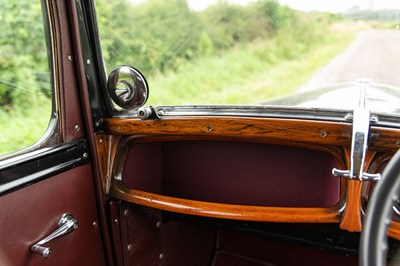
[[148, 113], [359, 142], [364, 177]]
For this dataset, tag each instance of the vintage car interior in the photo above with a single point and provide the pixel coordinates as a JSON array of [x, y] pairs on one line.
[[119, 182]]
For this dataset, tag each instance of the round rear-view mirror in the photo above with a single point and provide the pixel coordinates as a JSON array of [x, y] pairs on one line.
[[127, 87]]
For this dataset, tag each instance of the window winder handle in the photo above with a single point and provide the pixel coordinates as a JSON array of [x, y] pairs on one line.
[[66, 224]]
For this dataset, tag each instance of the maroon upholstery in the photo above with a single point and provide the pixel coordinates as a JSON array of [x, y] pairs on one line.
[[234, 172], [141, 238], [69, 105], [143, 169], [188, 244], [223, 258], [279, 253], [182, 242], [31, 213]]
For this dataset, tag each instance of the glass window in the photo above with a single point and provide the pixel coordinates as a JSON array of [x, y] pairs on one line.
[[247, 52], [25, 78]]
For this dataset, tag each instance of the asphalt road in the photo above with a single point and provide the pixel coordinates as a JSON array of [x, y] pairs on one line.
[[374, 54]]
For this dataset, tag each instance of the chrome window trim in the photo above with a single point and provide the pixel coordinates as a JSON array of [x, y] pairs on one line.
[[266, 111], [261, 111]]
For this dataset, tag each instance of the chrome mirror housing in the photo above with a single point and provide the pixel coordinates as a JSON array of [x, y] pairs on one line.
[[127, 87]]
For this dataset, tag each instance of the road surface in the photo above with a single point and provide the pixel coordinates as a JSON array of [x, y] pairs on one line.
[[374, 54]]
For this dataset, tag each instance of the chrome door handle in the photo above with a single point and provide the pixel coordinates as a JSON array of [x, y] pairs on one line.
[[66, 224]]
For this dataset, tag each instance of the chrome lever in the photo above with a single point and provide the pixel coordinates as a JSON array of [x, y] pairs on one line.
[[363, 177], [359, 145], [66, 224], [359, 141]]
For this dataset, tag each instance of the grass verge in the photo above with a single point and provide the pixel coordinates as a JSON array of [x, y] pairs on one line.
[[245, 75], [21, 129]]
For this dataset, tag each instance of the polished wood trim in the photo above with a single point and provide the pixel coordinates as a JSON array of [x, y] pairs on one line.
[[326, 136], [384, 139], [106, 147], [351, 220], [322, 132], [376, 166], [225, 211], [394, 230], [332, 136], [306, 131]]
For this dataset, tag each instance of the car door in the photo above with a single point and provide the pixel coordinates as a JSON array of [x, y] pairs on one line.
[[46, 185]]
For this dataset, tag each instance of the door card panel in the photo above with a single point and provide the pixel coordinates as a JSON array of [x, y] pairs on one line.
[[30, 214]]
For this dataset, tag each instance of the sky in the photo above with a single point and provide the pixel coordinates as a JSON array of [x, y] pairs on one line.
[[316, 5]]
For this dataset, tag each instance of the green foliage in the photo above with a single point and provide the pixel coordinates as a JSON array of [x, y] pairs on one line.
[[160, 36], [20, 130], [225, 54], [247, 75], [226, 24], [25, 88], [24, 71], [155, 36], [275, 15], [206, 46]]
